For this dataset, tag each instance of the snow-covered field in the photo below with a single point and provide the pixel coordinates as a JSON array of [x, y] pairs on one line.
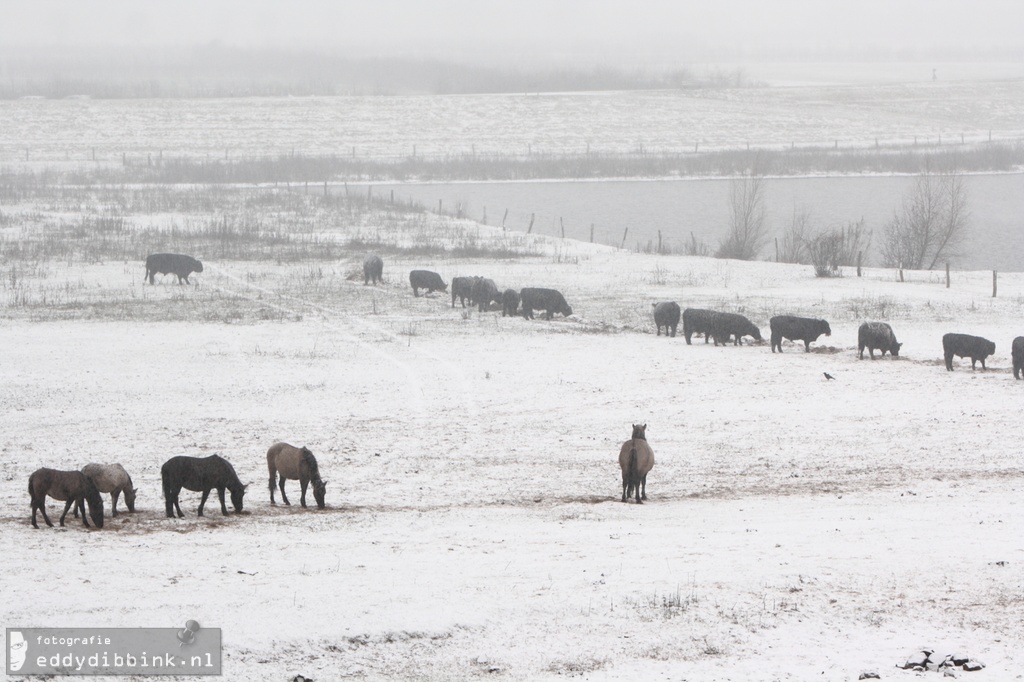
[[796, 528], [39, 131]]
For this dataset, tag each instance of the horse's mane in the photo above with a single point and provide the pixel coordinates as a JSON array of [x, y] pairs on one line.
[[310, 461]]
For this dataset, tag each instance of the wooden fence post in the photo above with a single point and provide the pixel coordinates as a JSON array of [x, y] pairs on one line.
[[901, 272], [859, 255], [776, 249], [530, 228], [503, 220], [659, 241], [994, 284], [591, 233], [562, 225], [947, 274], [624, 233]]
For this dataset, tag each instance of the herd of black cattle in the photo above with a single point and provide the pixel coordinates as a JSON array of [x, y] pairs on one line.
[[720, 327]]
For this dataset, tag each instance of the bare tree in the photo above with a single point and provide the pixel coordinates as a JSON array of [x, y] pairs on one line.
[[932, 224], [793, 245], [747, 227]]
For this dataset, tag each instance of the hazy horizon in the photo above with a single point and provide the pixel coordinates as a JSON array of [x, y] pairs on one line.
[[568, 31]]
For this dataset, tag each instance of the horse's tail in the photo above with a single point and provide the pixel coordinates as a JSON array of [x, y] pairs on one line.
[[634, 470]]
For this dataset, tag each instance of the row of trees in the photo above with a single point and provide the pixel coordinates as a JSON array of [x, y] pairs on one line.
[[930, 227]]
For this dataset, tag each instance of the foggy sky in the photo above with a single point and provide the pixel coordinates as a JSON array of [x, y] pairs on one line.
[[499, 31]]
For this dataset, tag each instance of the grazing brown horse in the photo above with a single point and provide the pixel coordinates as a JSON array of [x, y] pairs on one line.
[[636, 458], [292, 462], [71, 487], [113, 479]]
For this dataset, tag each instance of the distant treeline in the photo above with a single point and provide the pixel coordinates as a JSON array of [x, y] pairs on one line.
[[217, 71], [301, 168]]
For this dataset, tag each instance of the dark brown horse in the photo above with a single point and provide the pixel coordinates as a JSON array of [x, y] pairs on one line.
[[636, 458], [200, 474], [113, 479], [289, 461], [71, 487]]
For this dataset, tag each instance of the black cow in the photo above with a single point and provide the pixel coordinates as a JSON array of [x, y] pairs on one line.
[[877, 335], [966, 346], [485, 292], [171, 263], [373, 269], [1017, 353], [697, 321], [509, 303], [795, 328], [548, 300], [666, 314], [425, 279], [725, 325], [462, 288]]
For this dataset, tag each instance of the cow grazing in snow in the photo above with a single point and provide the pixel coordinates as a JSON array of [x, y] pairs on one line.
[[1017, 353], [373, 269], [666, 314], [966, 346], [549, 300], [171, 263], [877, 336], [795, 328], [425, 279], [697, 321], [725, 325], [509, 303], [462, 288]]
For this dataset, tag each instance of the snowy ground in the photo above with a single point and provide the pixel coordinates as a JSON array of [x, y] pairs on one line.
[[795, 527], [42, 134]]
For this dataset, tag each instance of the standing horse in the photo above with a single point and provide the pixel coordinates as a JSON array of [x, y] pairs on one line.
[[71, 487], [292, 462], [200, 474], [636, 458], [113, 479]]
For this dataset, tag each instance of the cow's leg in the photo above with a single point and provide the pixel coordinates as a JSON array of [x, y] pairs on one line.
[[284, 498], [223, 507], [202, 502], [67, 506]]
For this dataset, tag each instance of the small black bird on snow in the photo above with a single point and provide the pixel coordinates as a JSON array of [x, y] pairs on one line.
[[828, 376]]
